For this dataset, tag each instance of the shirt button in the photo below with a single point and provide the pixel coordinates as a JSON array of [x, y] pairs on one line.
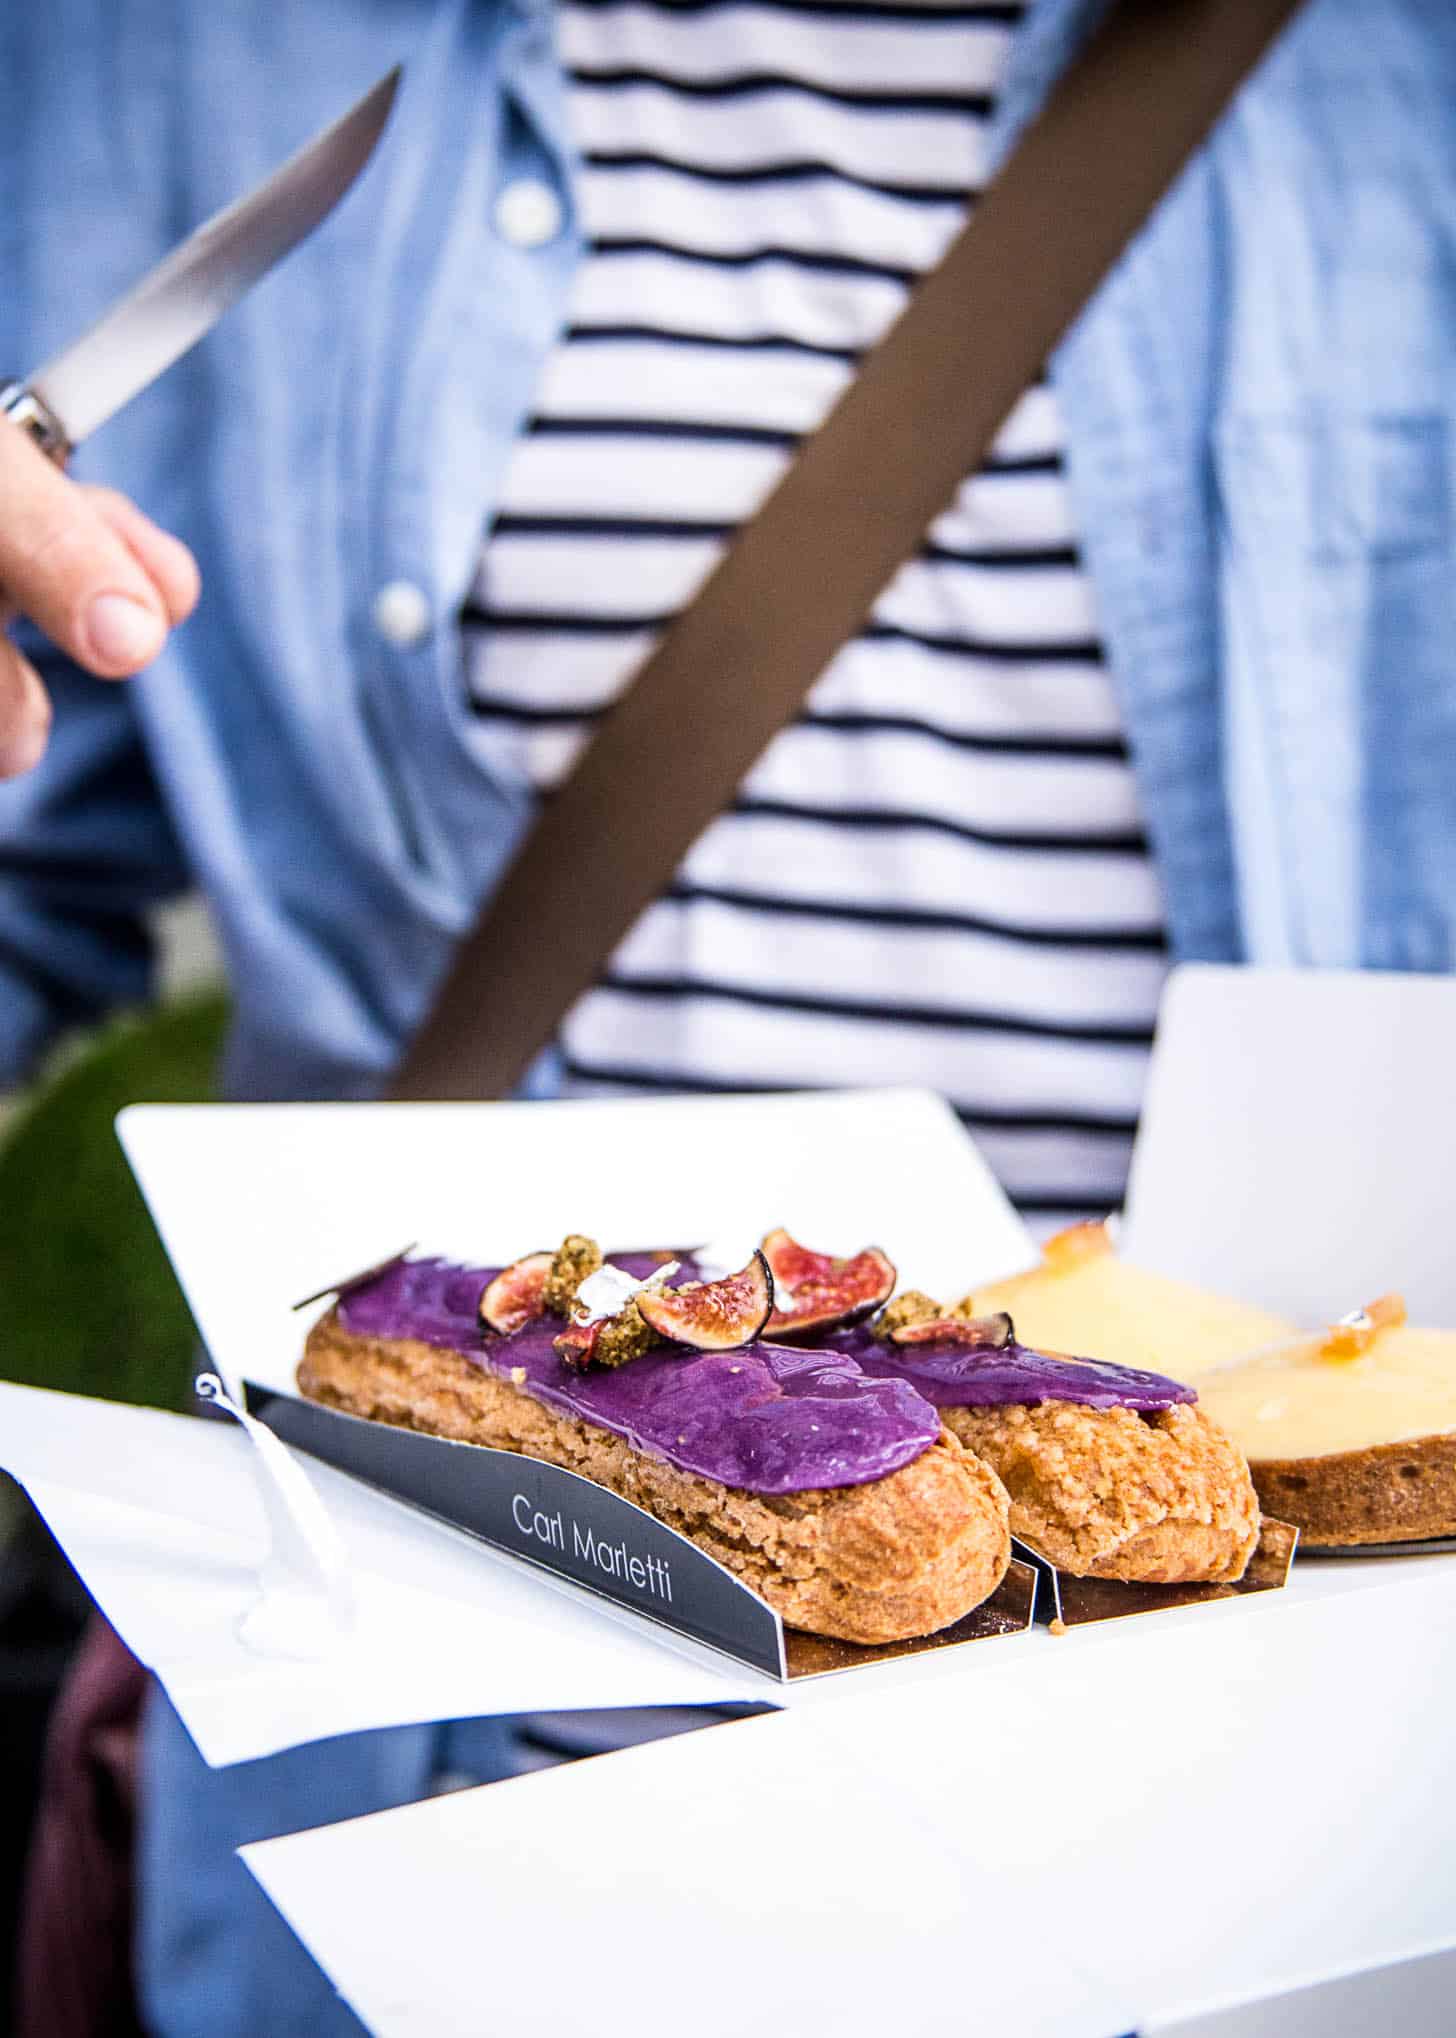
[[528, 214], [401, 614]]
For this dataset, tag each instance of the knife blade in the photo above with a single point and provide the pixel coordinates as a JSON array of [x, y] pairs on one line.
[[185, 295]]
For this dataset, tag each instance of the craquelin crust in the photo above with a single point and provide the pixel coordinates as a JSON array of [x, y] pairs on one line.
[[1163, 1498], [900, 1557], [1388, 1493]]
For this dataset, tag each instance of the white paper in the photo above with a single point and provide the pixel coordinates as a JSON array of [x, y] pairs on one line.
[[1102, 1831], [259, 1204], [161, 1516], [305, 1597], [1296, 1138]]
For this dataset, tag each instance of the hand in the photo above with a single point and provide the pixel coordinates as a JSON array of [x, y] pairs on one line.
[[101, 580]]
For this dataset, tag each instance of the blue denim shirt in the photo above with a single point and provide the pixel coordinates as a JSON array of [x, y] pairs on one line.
[[1258, 405]]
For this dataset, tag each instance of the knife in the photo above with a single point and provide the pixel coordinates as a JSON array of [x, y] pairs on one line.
[[174, 304]]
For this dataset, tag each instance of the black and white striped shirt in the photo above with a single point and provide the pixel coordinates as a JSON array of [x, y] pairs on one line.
[[938, 875]]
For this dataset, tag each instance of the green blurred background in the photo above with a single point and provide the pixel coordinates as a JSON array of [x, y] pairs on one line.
[[88, 1304]]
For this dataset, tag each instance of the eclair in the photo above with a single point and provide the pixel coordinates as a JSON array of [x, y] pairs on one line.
[[841, 1498], [1112, 1471]]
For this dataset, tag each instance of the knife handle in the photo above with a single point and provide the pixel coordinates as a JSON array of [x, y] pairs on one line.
[[24, 408]]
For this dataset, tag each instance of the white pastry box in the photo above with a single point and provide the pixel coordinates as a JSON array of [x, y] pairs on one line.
[[1296, 1140], [1095, 1832]]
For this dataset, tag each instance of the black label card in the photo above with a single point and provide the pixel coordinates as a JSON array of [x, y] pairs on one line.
[[557, 1519]]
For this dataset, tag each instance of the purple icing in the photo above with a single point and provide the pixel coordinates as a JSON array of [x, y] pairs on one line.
[[766, 1418], [989, 1376], [432, 1300]]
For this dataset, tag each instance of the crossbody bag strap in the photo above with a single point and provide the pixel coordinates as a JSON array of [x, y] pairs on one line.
[[799, 579]]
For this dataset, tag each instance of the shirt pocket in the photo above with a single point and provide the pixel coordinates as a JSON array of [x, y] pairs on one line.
[[1337, 488]]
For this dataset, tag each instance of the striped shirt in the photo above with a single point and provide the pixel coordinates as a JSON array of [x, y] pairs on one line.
[[938, 874]]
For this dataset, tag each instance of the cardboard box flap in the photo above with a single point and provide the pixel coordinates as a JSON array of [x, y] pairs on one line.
[[1295, 1140], [259, 1203]]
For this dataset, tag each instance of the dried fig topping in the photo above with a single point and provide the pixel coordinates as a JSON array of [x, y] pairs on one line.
[[978, 1333], [1086, 1241], [576, 1345], [575, 1258], [814, 1291], [712, 1316], [914, 1306], [1355, 1333], [517, 1295], [608, 1341]]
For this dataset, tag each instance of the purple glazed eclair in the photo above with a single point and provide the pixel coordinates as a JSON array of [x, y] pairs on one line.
[[840, 1497], [1112, 1471]]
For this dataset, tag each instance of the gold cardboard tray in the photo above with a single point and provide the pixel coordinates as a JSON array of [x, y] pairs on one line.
[[1008, 1611], [1066, 1602]]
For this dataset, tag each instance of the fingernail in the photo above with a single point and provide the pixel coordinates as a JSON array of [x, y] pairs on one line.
[[121, 631]]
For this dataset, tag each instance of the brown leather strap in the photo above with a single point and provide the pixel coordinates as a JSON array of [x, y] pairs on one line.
[[799, 579]]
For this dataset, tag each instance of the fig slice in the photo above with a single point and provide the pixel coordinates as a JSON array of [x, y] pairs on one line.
[[980, 1333], [713, 1316], [517, 1295], [815, 1291]]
